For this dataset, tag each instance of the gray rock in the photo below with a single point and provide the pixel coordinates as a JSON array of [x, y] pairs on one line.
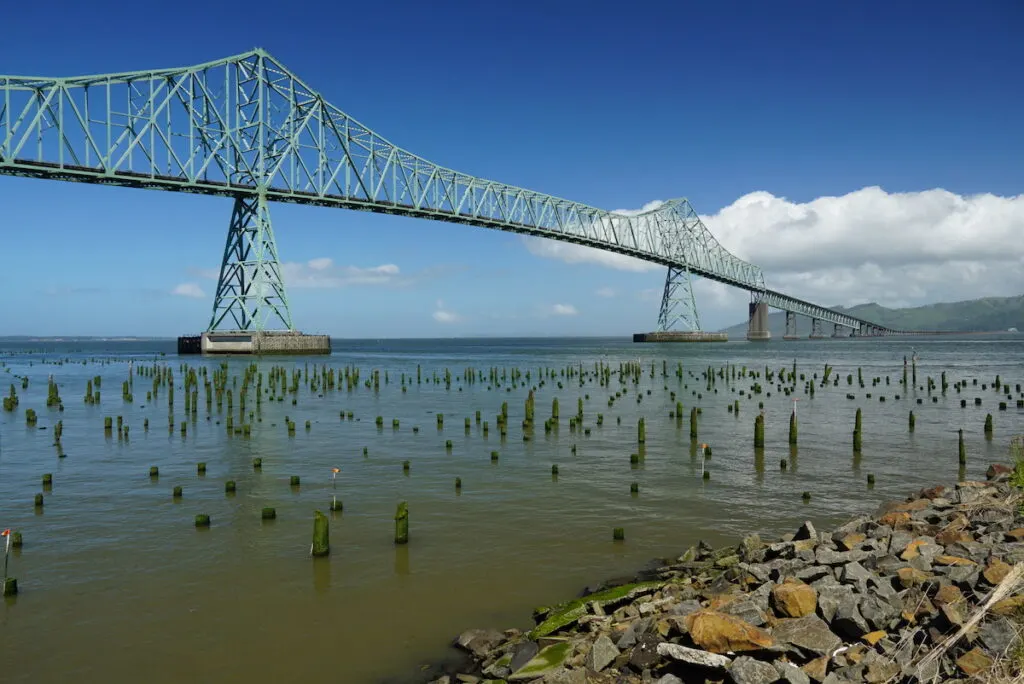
[[805, 555], [960, 574], [922, 563], [998, 635], [855, 573], [751, 549], [898, 542], [693, 656], [877, 611], [747, 670], [790, 673], [684, 607], [810, 634], [880, 532], [848, 622], [812, 573], [645, 653], [823, 555], [746, 610], [565, 676], [783, 549], [806, 531], [759, 570], [889, 564], [601, 654], [786, 568], [479, 642], [633, 632], [668, 679], [522, 654], [830, 597]]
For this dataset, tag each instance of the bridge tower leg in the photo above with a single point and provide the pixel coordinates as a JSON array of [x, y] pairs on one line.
[[790, 326], [678, 306], [757, 326], [250, 291]]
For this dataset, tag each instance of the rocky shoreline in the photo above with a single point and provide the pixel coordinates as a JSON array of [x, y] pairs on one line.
[[928, 589]]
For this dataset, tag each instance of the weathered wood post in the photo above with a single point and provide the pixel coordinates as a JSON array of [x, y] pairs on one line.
[[321, 535], [402, 523]]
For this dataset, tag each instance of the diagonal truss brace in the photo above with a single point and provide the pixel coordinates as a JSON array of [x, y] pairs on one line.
[[678, 306], [250, 291]]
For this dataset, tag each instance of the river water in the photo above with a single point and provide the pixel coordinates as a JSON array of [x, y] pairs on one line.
[[118, 585]]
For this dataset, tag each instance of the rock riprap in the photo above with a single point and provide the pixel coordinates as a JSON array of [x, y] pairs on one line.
[[883, 598]]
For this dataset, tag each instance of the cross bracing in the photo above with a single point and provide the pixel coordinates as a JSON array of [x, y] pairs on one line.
[[247, 128]]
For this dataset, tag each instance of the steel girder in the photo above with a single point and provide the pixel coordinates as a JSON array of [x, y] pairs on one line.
[[245, 126]]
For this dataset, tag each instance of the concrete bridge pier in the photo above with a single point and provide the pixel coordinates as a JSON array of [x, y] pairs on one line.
[[839, 331], [757, 327], [790, 326], [817, 329]]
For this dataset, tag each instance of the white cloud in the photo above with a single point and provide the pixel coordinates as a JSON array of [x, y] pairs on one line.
[[605, 292], [564, 310], [320, 263], [897, 249], [188, 290], [322, 273], [443, 315]]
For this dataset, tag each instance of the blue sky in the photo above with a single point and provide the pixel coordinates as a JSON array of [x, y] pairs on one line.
[[772, 118]]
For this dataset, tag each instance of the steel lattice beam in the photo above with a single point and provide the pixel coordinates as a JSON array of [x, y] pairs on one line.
[[246, 127]]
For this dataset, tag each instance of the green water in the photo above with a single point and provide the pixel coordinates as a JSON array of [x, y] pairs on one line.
[[117, 584]]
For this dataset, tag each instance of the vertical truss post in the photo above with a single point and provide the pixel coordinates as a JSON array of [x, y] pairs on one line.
[[250, 291], [678, 306]]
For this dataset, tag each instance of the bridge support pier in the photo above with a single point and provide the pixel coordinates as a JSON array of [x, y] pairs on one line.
[[250, 297], [757, 327], [817, 329], [790, 326], [250, 291], [839, 331]]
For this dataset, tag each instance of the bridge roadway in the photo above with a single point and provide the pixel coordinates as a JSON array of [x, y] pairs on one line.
[[246, 127]]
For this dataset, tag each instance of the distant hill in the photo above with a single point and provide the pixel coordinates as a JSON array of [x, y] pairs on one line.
[[989, 314]]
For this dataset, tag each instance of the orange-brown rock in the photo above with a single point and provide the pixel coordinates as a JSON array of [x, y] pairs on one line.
[[720, 633], [1013, 605], [915, 505], [817, 668], [1016, 535], [954, 532], [852, 541], [974, 662], [949, 593], [872, 638], [909, 577], [952, 560], [932, 492], [895, 520], [794, 599], [995, 571], [912, 549]]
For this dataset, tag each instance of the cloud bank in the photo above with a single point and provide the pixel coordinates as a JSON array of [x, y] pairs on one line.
[[898, 249]]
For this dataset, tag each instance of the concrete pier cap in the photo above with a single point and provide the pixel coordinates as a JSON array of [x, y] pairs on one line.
[[254, 342]]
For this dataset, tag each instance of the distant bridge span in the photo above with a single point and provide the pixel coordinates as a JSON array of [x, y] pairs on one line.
[[245, 127]]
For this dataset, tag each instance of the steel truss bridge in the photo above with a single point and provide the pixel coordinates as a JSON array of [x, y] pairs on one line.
[[247, 128]]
